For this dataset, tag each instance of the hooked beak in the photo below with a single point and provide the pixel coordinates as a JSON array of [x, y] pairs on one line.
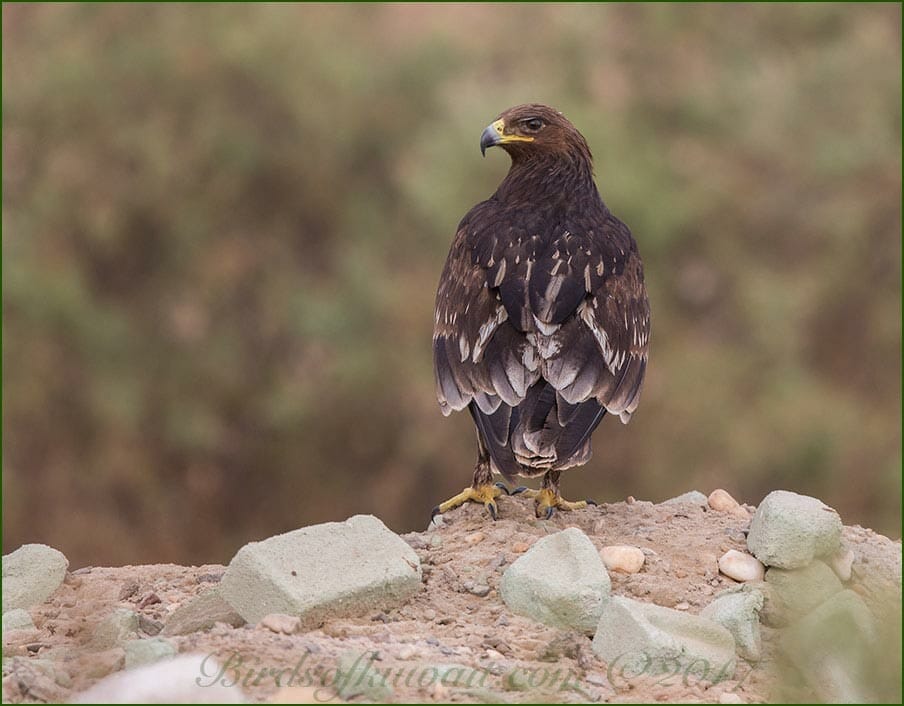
[[491, 136]]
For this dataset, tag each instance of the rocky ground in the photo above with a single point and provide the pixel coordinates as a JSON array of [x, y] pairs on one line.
[[455, 639]]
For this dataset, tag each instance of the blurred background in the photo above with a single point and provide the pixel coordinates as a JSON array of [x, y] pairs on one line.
[[223, 226]]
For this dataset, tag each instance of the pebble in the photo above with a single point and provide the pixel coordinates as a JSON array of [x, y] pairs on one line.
[[684, 605], [475, 538], [478, 589], [408, 652], [842, 562], [630, 500], [721, 501], [281, 623], [596, 679], [741, 567], [623, 558], [520, 547], [728, 697]]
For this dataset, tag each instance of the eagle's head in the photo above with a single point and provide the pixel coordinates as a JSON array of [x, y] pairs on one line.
[[534, 130]]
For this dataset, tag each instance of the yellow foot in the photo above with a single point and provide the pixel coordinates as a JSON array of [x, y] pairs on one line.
[[546, 501], [485, 494]]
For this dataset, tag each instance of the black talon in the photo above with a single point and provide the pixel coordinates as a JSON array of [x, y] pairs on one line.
[[591, 502], [502, 486], [492, 508], [519, 489], [550, 511], [434, 512]]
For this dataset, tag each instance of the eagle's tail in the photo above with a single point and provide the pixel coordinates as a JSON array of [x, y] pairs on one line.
[[542, 433]]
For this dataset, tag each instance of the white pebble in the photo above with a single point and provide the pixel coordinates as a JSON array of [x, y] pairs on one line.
[[741, 567], [408, 652], [281, 623], [729, 697], [722, 501], [842, 562], [624, 558]]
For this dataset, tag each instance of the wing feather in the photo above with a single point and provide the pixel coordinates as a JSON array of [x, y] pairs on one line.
[[543, 334]]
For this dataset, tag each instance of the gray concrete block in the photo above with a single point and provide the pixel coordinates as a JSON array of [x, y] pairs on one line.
[[738, 611], [560, 581], [31, 574], [798, 591], [645, 638], [835, 649], [790, 530], [334, 569]]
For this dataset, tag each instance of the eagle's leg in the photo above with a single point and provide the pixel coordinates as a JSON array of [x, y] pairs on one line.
[[547, 500], [482, 489]]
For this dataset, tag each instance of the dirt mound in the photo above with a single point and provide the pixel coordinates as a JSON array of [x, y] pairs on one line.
[[455, 641]]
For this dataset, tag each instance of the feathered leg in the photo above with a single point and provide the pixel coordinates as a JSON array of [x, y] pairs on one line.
[[482, 489]]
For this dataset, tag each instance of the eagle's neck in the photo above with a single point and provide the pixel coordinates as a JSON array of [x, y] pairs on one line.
[[550, 180]]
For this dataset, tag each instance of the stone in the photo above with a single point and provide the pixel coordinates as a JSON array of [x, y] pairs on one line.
[[623, 558], [17, 619], [798, 591], [142, 652], [29, 680], [721, 501], [834, 648], [842, 563], [115, 629], [559, 581], [201, 613], [281, 624], [738, 611], [31, 574], [790, 530], [729, 697], [193, 678], [694, 497], [632, 634], [740, 566], [335, 569]]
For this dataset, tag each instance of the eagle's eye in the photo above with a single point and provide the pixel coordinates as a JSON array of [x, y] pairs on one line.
[[533, 124]]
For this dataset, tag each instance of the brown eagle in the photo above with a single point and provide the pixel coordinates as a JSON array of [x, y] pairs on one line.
[[542, 323]]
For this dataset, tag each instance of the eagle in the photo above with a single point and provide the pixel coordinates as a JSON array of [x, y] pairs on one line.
[[542, 322]]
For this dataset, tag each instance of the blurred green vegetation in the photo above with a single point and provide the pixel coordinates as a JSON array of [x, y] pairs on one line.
[[223, 225]]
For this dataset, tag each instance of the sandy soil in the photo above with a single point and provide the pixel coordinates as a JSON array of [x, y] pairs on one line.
[[458, 619]]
